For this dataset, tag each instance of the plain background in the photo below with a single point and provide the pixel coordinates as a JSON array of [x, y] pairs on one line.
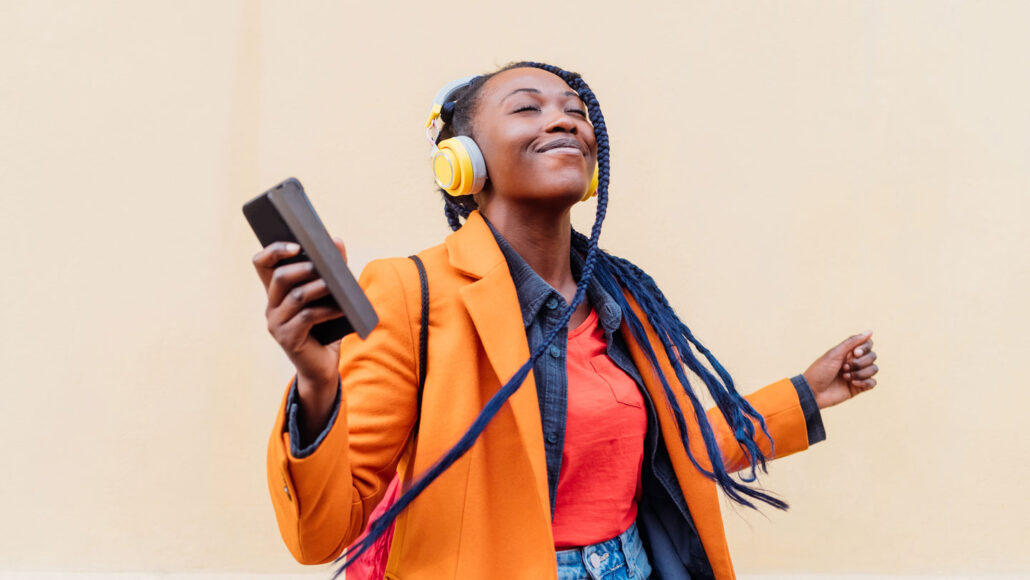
[[790, 173]]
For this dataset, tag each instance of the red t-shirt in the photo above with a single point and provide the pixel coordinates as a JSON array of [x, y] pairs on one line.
[[606, 422]]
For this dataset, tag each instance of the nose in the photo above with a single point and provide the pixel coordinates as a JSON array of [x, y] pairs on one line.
[[562, 122]]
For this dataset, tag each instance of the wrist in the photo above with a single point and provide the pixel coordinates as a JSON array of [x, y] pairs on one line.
[[319, 388], [820, 400]]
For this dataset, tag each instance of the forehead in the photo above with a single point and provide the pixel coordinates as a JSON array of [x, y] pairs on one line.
[[503, 83]]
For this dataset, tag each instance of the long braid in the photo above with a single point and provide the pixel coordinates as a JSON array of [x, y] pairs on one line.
[[617, 275], [513, 384]]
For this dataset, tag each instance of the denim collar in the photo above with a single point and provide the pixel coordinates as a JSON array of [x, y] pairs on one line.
[[533, 291]]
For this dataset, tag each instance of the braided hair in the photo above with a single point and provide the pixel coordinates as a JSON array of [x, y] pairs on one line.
[[616, 275]]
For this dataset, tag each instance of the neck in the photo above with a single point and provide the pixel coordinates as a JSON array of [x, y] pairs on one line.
[[543, 239]]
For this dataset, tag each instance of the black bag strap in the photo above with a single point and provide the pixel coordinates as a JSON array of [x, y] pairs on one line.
[[423, 337]]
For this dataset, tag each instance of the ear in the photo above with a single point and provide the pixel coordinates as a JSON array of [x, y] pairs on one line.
[[484, 194]]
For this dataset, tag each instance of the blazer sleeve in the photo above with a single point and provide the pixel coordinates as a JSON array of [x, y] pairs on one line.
[[780, 406], [322, 501]]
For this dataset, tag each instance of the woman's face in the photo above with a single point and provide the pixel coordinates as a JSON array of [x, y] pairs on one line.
[[535, 137]]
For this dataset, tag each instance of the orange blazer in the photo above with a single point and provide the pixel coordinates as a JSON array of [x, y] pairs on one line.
[[488, 516]]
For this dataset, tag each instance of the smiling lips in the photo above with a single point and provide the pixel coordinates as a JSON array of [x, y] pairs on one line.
[[563, 143]]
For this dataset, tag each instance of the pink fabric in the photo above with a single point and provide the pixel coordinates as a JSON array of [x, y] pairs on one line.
[[372, 564], [606, 422]]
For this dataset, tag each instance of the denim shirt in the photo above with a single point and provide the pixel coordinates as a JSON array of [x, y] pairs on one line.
[[542, 308], [663, 510]]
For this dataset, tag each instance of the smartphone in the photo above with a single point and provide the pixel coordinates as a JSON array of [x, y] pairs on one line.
[[285, 214]]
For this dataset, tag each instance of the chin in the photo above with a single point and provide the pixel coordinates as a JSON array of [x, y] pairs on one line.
[[567, 194], [554, 191]]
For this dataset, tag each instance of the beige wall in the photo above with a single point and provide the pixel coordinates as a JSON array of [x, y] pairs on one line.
[[790, 174]]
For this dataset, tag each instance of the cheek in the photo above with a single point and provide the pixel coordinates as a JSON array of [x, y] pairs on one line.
[[507, 156]]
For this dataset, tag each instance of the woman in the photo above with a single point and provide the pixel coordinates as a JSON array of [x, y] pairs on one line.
[[604, 465]]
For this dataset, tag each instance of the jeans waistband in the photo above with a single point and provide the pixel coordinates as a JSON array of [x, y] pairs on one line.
[[620, 557]]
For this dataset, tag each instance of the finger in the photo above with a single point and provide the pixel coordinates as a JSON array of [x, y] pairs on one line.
[[299, 297], [294, 333], [851, 343], [864, 360], [865, 385], [862, 348], [285, 278], [265, 260], [341, 247], [864, 373]]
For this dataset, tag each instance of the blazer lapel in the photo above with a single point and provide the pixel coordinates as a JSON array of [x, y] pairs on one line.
[[493, 305], [699, 491]]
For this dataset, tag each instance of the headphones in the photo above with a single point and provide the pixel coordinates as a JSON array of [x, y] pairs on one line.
[[458, 164]]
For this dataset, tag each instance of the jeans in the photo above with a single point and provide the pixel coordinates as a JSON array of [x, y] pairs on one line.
[[620, 558]]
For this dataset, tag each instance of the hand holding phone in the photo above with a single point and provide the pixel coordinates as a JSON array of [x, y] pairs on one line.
[[313, 300], [285, 214]]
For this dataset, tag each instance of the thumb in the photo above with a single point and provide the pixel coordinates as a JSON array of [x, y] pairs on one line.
[[341, 247], [851, 343]]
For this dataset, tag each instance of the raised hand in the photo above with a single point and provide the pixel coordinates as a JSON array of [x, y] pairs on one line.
[[844, 371], [291, 289]]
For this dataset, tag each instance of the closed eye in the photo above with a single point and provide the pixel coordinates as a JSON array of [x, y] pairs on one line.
[[579, 112]]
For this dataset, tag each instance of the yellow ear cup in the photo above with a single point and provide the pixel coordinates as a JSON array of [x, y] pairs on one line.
[[459, 167], [592, 189], [445, 170]]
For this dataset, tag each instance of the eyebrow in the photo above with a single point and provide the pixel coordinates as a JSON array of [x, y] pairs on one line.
[[537, 92]]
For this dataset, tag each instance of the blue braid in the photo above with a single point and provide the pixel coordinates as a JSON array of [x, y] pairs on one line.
[[617, 275], [455, 212], [675, 336]]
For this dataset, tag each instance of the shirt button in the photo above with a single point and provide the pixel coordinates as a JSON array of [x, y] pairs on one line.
[[552, 303], [552, 437], [554, 351]]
